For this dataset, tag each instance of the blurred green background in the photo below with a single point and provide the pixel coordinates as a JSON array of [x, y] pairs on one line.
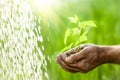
[[54, 23]]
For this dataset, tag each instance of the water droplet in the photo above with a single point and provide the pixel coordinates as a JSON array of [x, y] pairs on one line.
[[21, 58]]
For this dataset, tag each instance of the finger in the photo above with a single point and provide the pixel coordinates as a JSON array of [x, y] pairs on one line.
[[78, 67], [58, 58], [86, 45], [73, 51], [77, 49], [75, 57], [73, 68], [66, 67], [76, 53]]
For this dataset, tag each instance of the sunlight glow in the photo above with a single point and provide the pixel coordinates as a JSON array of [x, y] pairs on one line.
[[46, 5]]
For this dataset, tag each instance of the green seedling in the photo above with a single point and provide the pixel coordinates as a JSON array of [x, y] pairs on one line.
[[77, 34]]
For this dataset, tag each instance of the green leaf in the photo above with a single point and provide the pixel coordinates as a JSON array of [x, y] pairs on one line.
[[75, 31], [88, 23], [77, 35], [67, 34], [74, 19], [81, 39], [84, 34], [66, 48]]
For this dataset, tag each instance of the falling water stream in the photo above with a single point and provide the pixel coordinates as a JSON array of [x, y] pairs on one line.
[[20, 56]]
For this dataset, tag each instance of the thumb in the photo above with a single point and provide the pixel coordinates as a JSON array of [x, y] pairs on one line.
[[74, 58]]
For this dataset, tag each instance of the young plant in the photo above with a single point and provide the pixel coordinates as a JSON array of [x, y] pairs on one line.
[[77, 34]]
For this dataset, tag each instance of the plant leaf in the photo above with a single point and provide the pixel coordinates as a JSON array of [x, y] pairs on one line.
[[74, 19], [77, 35], [67, 34], [66, 48], [88, 23], [81, 39]]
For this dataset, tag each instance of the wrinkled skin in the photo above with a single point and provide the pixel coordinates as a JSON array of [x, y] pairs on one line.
[[83, 58]]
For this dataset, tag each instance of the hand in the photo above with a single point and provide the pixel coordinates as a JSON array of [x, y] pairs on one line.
[[82, 58]]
